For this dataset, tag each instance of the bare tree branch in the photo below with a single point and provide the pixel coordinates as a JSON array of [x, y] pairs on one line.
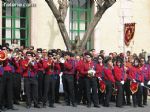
[[60, 15], [63, 7], [60, 22], [103, 5]]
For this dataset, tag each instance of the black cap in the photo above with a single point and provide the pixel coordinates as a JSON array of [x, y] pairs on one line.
[[89, 54], [100, 57], [50, 54], [33, 54], [107, 59], [39, 50], [120, 59], [16, 49], [28, 53], [31, 47], [68, 53]]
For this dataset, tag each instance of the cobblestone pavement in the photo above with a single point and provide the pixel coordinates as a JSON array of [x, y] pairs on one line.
[[81, 108]]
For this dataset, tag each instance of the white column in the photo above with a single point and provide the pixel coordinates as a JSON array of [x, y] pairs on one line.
[[33, 25], [126, 16], [0, 22]]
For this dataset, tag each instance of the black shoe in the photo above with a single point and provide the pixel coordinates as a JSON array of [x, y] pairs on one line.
[[12, 108], [52, 106], [3, 109], [134, 105], [36, 106], [84, 103], [28, 107], [17, 103], [106, 105], [89, 105], [97, 106], [68, 104], [44, 105], [74, 105], [140, 106], [145, 103], [129, 104], [119, 106], [57, 102]]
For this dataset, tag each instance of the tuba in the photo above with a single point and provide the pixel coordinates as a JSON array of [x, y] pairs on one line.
[[3, 55]]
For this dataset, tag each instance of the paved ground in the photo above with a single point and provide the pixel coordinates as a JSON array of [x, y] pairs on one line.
[[62, 108]]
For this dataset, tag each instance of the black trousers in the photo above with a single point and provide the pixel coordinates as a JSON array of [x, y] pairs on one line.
[[40, 85], [31, 90], [145, 93], [91, 83], [7, 89], [81, 95], [68, 86], [100, 94], [127, 91], [1, 92], [108, 92], [57, 89], [119, 97], [49, 89], [16, 87], [137, 97]]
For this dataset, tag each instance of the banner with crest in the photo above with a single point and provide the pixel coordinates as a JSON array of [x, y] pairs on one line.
[[129, 29]]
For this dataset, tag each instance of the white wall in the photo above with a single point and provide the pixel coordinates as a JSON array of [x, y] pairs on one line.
[[44, 29], [107, 33], [45, 32]]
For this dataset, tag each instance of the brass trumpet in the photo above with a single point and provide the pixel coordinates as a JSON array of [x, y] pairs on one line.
[[3, 55]]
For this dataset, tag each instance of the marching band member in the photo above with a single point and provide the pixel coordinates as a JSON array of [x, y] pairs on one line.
[[136, 77], [90, 80], [8, 82], [52, 69], [145, 69], [1, 82], [16, 61], [81, 82], [100, 77], [68, 78], [119, 75], [29, 66], [40, 74], [109, 80], [128, 65]]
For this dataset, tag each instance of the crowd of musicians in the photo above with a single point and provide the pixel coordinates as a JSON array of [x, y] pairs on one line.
[[88, 79]]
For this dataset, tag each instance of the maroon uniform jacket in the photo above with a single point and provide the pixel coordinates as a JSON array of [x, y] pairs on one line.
[[109, 74], [119, 73], [100, 71], [40, 65], [69, 67], [86, 67], [29, 70], [145, 69], [6, 65], [79, 68], [136, 74], [52, 69], [17, 65]]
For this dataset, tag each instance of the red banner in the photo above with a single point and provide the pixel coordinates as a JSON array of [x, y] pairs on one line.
[[129, 29]]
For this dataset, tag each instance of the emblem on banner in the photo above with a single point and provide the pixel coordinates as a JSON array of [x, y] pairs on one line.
[[129, 29]]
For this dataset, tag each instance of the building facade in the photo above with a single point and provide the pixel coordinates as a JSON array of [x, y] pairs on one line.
[[36, 25]]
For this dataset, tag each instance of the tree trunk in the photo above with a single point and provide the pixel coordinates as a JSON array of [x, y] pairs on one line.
[[61, 24], [103, 5]]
